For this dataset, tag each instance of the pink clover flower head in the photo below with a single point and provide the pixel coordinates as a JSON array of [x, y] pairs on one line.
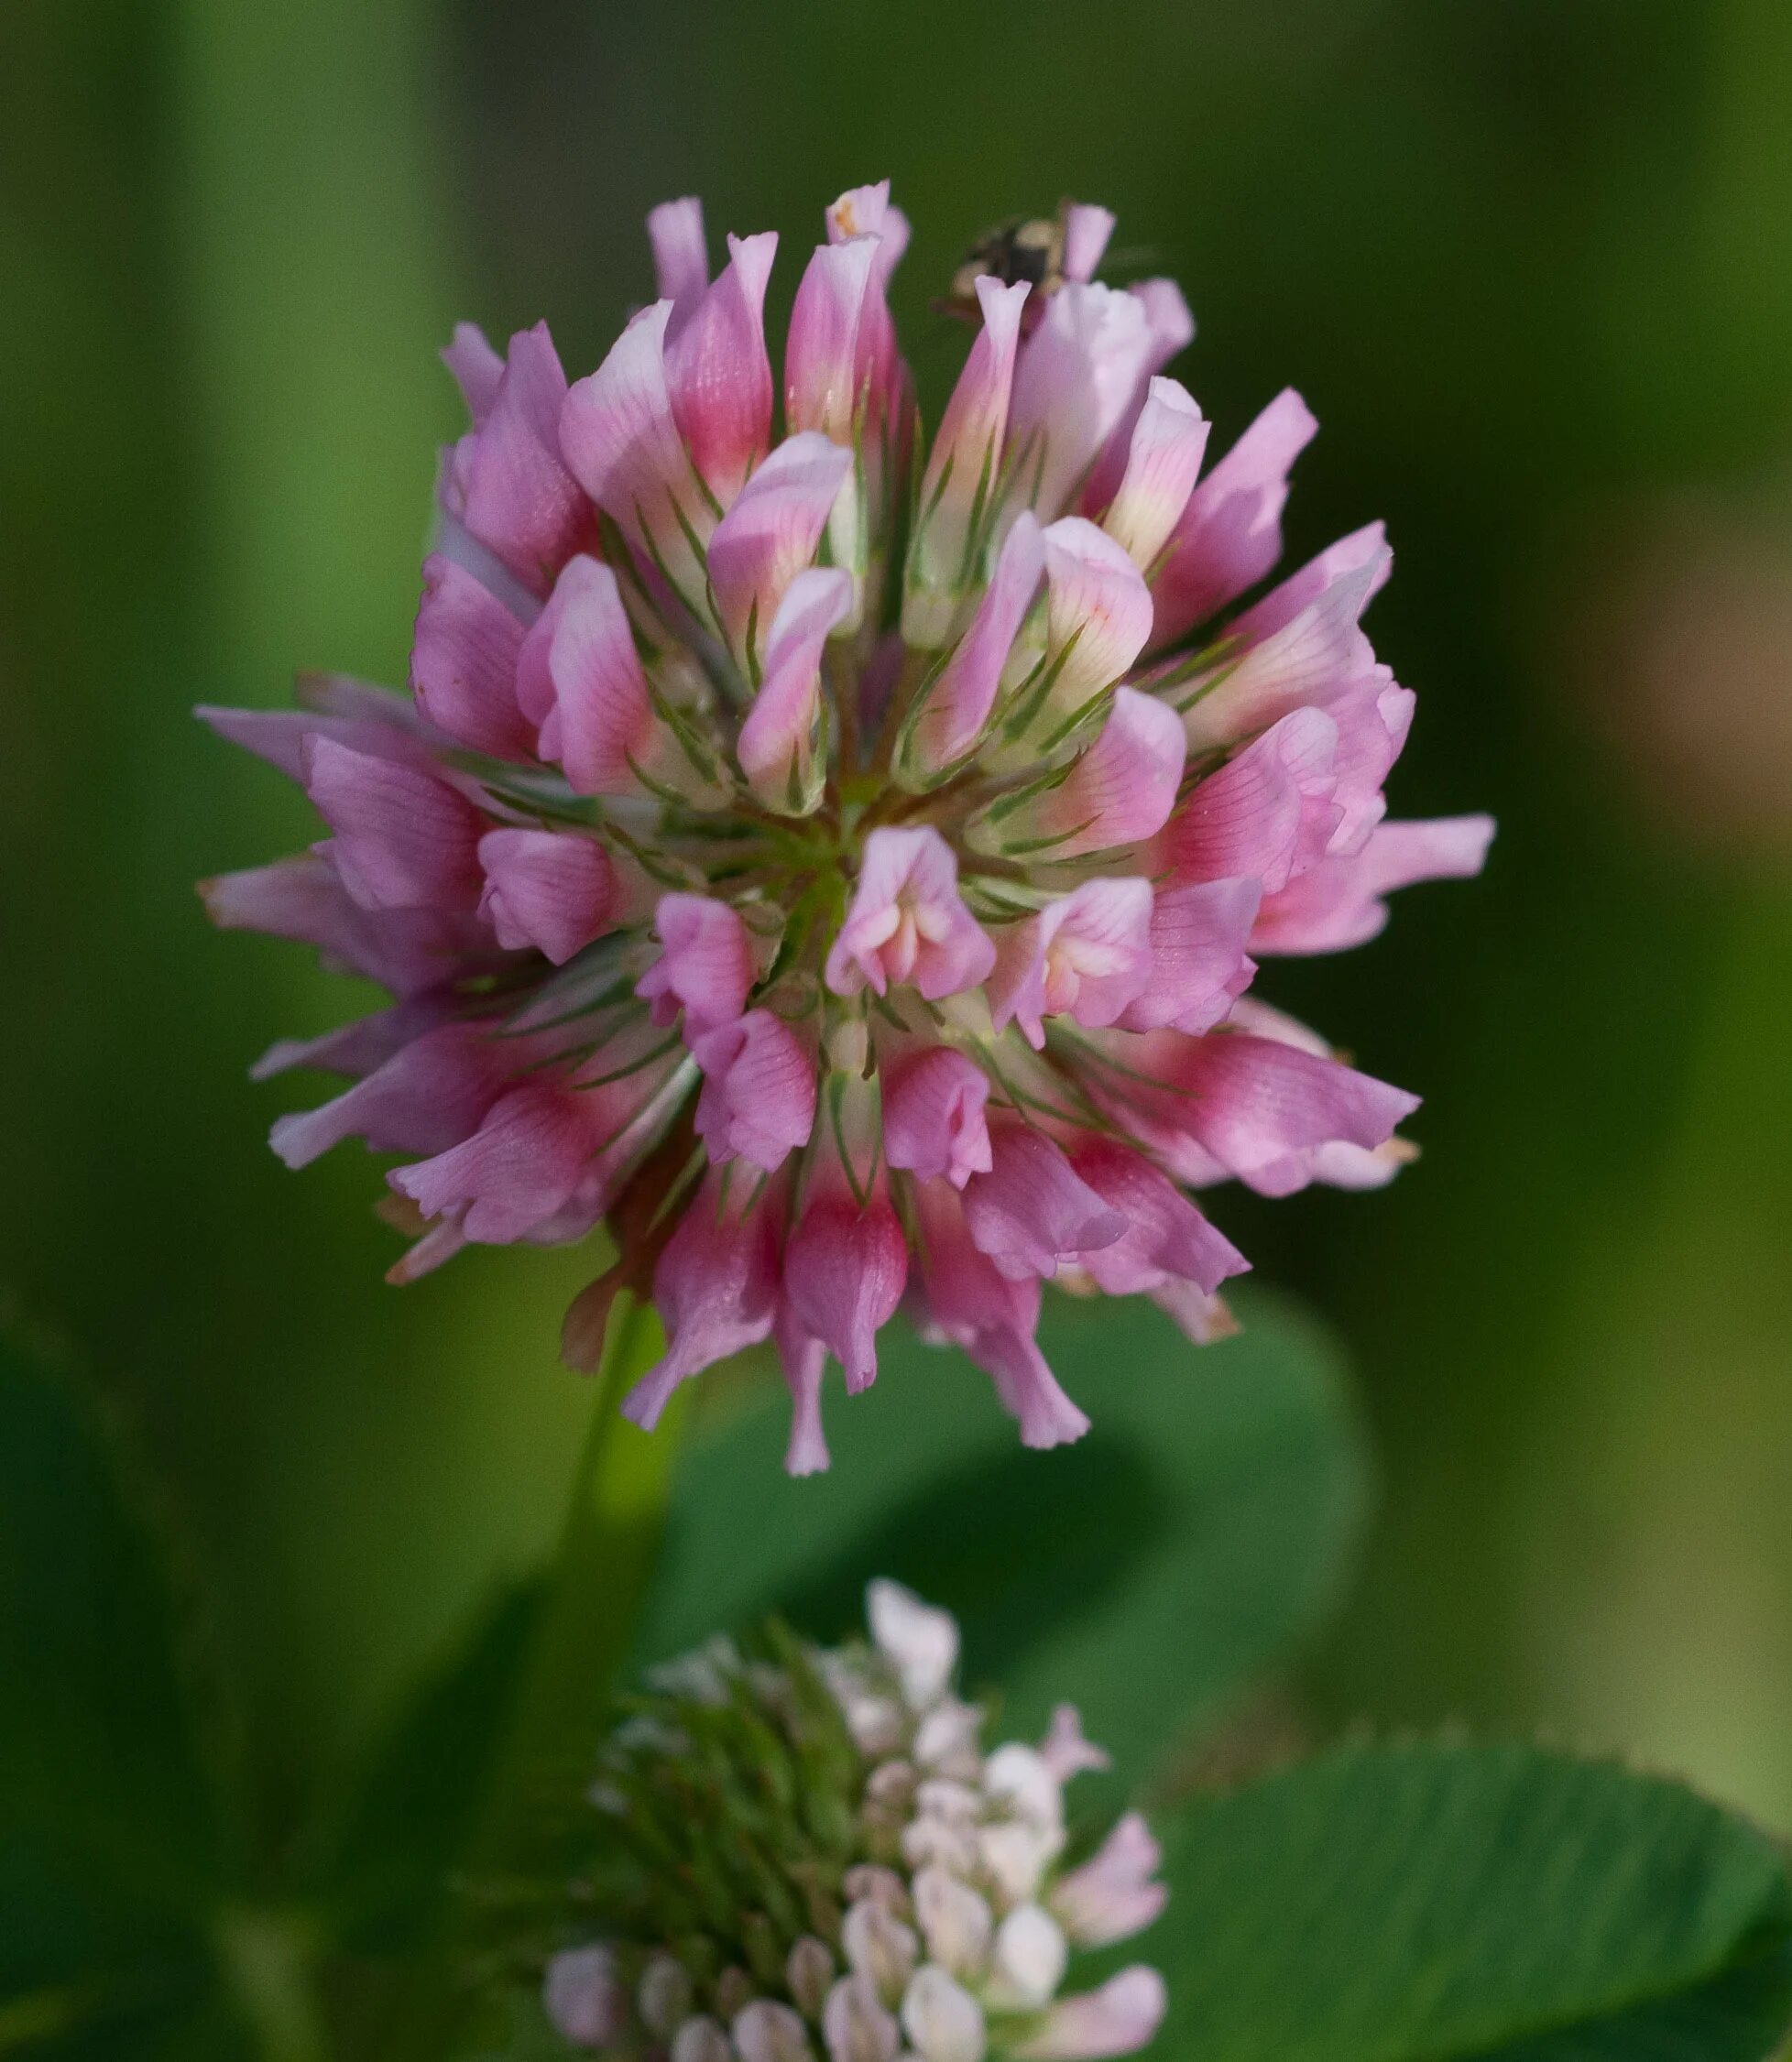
[[951, 1926], [842, 934]]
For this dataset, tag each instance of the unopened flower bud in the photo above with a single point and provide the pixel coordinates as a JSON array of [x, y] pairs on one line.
[[855, 2025], [808, 1970], [918, 1641], [943, 2021], [734, 1991], [878, 1945], [766, 2031], [1027, 1961], [664, 1996], [700, 2040], [584, 1998], [1014, 1856], [946, 1739], [881, 1886], [1021, 1778], [955, 1922]]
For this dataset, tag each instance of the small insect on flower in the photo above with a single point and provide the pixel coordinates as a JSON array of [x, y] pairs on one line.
[[826, 868], [802, 1851]]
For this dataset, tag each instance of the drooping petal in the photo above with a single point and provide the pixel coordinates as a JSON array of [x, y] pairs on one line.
[[802, 1358], [524, 1163], [758, 1091], [706, 968], [933, 1125], [716, 1288], [718, 374], [1163, 460], [770, 534], [404, 839], [907, 922], [845, 1269], [782, 745], [1341, 903], [1032, 1211], [1230, 533], [547, 891], [954, 710]]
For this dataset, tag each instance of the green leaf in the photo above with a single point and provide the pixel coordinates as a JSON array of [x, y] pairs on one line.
[[389, 1875], [115, 1835], [1145, 1573], [1429, 1902]]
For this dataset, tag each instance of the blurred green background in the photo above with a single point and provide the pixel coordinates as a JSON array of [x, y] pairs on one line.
[[1531, 263]]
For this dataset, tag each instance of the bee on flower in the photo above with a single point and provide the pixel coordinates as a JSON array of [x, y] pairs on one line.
[[806, 1853], [835, 863]]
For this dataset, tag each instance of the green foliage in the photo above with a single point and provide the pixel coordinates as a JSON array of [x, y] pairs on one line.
[[1146, 1572], [1435, 1901]]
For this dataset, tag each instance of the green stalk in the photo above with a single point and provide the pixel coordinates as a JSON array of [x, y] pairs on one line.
[[594, 1590]]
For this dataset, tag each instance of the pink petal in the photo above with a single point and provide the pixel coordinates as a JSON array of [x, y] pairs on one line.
[[680, 257], [844, 1272], [478, 370], [1112, 1896], [1199, 965], [1033, 1210], [550, 890], [1163, 460], [1119, 791], [956, 706], [719, 374], [907, 922], [1169, 327], [1097, 612], [705, 966], [426, 1097], [1365, 546], [1339, 903], [770, 533], [821, 357], [716, 1288], [802, 1359], [1086, 229], [1086, 955], [463, 662], [602, 727], [758, 1092], [1165, 1235], [961, 467], [933, 1124], [521, 1165], [279, 735], [1064, 1752], [781, 746], [1372, 718], [1264, 816], [620, 439], [1119, 2018], [506, 483], [1229, 534], [1075, 379], [1313, 660], [404, 839]]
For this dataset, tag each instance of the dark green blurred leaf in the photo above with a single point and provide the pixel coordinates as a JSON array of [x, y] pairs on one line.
[[420, 1799], [1434, 1902], [115, 1836], [1145, 1573]]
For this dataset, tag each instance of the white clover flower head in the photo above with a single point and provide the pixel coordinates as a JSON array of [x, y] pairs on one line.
[[776, 1880]]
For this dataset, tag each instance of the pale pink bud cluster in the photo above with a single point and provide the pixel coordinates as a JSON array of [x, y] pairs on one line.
[[842, 935], [942, 1928]]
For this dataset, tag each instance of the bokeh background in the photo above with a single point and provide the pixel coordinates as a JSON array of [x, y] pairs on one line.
[[1531, 263]]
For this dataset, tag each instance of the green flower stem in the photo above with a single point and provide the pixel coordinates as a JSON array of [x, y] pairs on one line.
[[593, 1597]]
